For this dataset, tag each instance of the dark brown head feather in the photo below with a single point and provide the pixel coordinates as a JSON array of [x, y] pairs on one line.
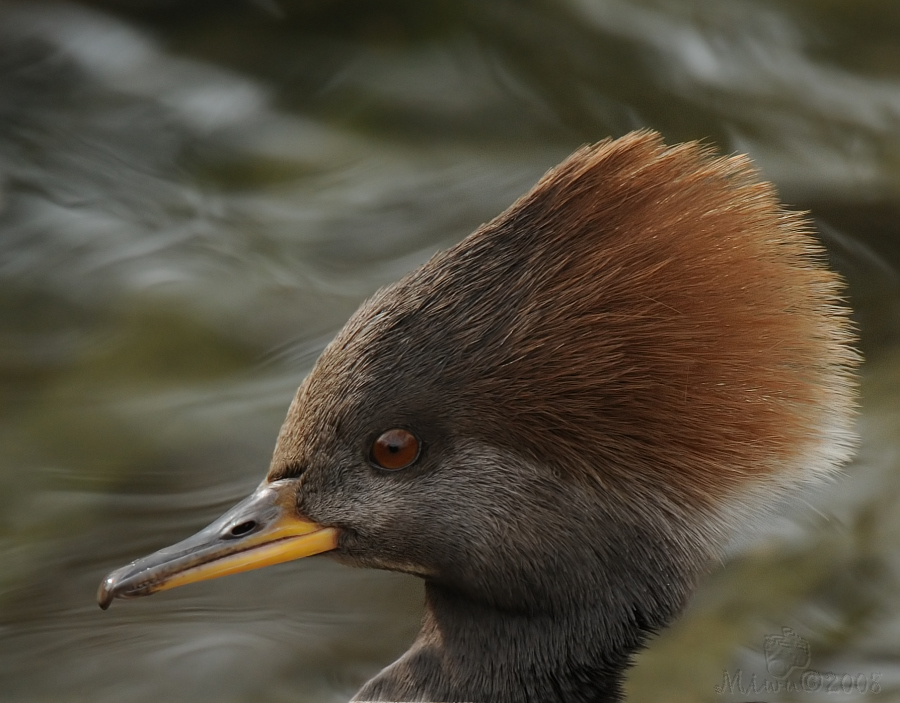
[[647, 317]]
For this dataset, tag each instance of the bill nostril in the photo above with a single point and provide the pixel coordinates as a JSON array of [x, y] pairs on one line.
[[242, 528]]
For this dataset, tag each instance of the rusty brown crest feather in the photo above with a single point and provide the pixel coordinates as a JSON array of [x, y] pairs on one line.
[[647, 316]]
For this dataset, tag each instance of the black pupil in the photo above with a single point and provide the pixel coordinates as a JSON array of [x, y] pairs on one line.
[[393, 448]]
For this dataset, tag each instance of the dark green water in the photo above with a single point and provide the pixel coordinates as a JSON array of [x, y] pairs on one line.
[[195, 195]]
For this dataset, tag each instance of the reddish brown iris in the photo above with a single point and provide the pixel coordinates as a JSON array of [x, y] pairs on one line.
[[395, 449]]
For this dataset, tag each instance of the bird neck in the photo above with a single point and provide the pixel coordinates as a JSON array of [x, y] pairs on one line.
[[469, 651]]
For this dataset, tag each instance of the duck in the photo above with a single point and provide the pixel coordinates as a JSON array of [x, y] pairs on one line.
[[559, 423]]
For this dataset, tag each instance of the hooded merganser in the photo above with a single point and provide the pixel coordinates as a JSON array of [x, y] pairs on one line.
[[558, 423]]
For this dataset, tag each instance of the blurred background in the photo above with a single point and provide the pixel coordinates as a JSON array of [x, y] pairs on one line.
[[196, 194]]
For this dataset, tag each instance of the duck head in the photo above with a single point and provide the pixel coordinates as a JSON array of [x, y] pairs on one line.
[[558, 423]]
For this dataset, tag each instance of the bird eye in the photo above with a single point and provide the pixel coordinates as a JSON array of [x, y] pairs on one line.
[[395, 449]]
